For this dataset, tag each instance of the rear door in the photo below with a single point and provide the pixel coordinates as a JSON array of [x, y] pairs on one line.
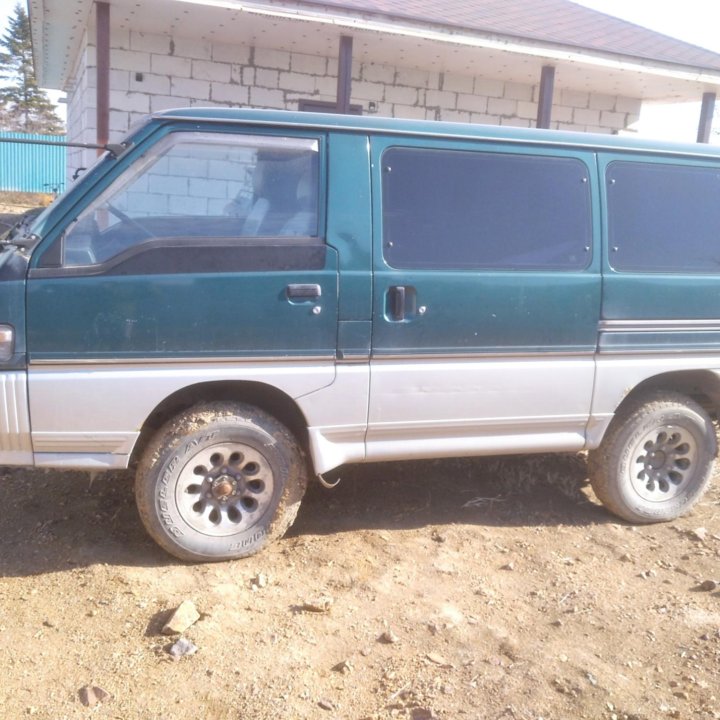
[[486, 299]]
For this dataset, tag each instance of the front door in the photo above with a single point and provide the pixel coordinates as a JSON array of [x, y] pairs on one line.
[[205, 253], [486, 299]]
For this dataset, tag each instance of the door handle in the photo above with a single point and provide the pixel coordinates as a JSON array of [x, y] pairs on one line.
[[303, 292], [397, 302], [401, 304]]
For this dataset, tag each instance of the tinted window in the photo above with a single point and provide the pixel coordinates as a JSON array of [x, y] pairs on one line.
[[192, 187], [457, 209], [663, 217]]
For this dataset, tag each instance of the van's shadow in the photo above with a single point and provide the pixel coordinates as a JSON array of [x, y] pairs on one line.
[[53, 520]]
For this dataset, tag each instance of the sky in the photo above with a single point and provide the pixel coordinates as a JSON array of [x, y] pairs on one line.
[[694, 21]]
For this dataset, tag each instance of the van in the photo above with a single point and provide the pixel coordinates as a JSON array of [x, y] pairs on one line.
[[233, 301]]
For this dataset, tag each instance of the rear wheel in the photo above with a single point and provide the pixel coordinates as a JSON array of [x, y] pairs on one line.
[[220, 481], [656, 459]]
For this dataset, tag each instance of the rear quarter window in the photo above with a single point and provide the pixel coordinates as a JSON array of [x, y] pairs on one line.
[[663, 217]]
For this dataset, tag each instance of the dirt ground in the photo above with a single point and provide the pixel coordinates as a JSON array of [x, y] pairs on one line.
[[456, 589]]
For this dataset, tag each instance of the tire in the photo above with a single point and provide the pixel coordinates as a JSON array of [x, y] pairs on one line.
[[656, 459], [219, 482]]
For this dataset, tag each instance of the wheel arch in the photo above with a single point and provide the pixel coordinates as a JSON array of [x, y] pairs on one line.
[[261, 395], [703, 386]]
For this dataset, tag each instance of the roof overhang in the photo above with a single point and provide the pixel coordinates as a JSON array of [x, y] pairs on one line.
[[58, 27]]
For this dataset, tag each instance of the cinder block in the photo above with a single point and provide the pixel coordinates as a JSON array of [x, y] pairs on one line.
[[454, 116], [267, 78], [119, 121], [233, 94], [326, 86], [308, 64], [210, 70], [168, 184], [412, 78], [167, 102], [562, 114], [518, 91], [527, 110], [571, 127], [367, 91], [408, 112], [151, 84], [184, 205], [586, 117], [452, 82], [247, 75], [146, 204], [129, 60], [602, 102], [574, 99], [295, 82], [401, 95], [483, 119], [229, 53], [150, 42], [263, 97], [515, 122], [378, 73], [489, 88], [441, 99], [129, 102], [183, 87], [472, 103], [613, 120], [278, 59], [628, 105], [190, 48], [171, 65], [213, 188], [502, 107]]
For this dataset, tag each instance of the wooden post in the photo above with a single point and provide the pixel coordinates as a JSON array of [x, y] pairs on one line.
[[707, 111], [545, 99], [344, 82], [102, 19]]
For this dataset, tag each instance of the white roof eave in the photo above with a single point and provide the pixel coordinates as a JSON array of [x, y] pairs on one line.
[[57, 36]]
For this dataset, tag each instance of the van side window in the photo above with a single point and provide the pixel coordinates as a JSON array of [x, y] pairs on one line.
[[191, 188], [457, 209], [663, 217]]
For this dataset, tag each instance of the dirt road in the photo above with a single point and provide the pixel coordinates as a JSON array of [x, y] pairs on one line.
[[450, 589]]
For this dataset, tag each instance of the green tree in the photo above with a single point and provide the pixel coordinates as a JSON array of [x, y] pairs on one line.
[[24, 106]]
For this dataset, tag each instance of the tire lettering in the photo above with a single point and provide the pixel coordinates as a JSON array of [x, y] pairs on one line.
[[249, 541], [192, 444]]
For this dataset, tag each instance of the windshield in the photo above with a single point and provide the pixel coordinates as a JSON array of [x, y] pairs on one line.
[[39, 219]]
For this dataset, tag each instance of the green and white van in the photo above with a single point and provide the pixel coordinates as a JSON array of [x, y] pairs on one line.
[[235, 301]]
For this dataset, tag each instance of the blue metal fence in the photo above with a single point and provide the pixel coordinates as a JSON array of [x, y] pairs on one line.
[[32, 168]]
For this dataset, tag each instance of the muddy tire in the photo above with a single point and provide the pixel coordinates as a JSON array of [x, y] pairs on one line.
[[219, 482], [656, 459]]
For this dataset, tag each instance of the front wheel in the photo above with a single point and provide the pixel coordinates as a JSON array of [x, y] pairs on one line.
[[219, 482], [656, 459]]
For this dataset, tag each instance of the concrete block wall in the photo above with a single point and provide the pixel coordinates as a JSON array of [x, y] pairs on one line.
[[156, 72]]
